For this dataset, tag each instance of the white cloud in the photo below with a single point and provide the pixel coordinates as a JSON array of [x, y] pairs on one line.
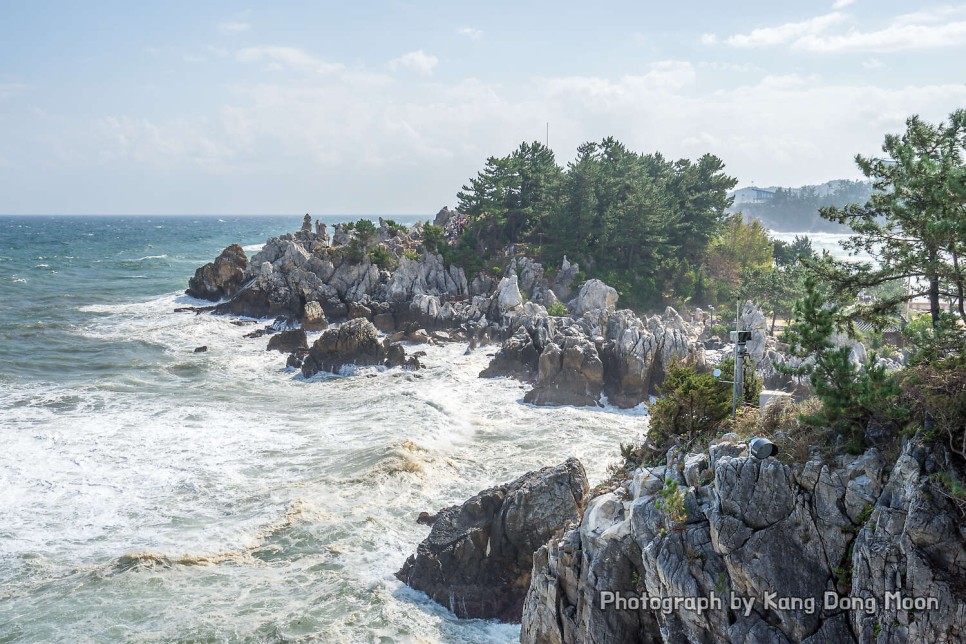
[[320, 142], [842, 4], [895, 37], [873, 63], [234, 27], [931, 28], [280, 58], [470, 32], [417, 61], [786, 33]]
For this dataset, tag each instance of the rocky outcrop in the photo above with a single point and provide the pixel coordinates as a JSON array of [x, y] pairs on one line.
[[477, 559], [913, 544], [313, 317], [570, 372], [799, 543], [594, 294], [354, 343], [391, 281], [290, 341], [221, 278]]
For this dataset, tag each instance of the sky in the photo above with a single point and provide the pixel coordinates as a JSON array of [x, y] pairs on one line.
[[120, 107]]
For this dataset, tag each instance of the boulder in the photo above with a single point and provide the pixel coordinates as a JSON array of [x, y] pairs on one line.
[[314, 317], [518, 357], [289, 341], [478, 558], [594, 294], [221, 278], [354, 343]]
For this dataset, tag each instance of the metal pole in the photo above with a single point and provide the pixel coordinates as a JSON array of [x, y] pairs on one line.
[[734, 379]]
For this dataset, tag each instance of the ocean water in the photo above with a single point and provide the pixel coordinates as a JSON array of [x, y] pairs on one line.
[[148, 493]]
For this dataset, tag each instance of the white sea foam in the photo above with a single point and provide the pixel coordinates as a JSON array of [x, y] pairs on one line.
[[253, 248], [227, 476]]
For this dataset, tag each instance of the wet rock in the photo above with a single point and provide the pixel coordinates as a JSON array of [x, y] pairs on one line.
[[570, 372], [478, 558], [288, 341], [221, 278], [202, 349], [354, 343], [314, 317]]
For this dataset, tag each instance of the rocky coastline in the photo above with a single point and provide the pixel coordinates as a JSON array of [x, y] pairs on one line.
[[307, 280], [576, 566]]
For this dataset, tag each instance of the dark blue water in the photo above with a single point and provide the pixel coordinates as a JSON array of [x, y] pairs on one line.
[[51, 268]]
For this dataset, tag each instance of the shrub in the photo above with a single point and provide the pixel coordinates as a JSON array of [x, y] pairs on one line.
[[692, 404], [937, 393], [672, 504], [557, 309], [411, 254], [382, 258], [433, 240], [354, 250], [395, 227]]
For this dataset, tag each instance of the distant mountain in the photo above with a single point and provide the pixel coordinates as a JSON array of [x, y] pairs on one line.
[[796, 209]]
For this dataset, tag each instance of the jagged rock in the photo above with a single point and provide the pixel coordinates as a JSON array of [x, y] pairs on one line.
[[737, 534], [913, 544], [570, 372], [288, 341], [221, 278], [202, 349], [385, 322], [517, 358], [478, 557], [594, 294], [507, 296], [629, 358], [355, 342], [443, 216], [314, 317]]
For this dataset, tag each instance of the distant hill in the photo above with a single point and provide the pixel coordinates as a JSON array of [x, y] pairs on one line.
[[796, 209]]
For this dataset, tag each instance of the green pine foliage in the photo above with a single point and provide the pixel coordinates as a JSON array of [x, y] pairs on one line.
[[913, 225], [692, 404], [851, 396], [638, 221]]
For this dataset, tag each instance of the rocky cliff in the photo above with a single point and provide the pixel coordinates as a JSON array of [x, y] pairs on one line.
[[478, 557], [843, 551], [307, 280]]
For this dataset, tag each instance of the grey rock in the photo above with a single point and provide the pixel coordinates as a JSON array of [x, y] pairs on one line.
[[478, 558]]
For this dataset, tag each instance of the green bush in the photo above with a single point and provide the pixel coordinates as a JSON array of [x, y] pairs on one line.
[[382, 258], [411, 254], [557, 309], [395, 227], [433, 240], [354, 250], [692, 404]]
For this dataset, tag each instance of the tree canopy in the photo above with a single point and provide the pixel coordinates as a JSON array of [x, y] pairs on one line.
[[640, 221], [913, 225]]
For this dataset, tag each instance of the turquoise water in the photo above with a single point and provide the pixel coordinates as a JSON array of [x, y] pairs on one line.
[[148, 493]]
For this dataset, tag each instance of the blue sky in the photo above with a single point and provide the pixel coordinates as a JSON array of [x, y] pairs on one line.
[[389, 107]]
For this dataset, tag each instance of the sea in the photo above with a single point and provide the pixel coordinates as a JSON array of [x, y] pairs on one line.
[[149, 493]]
